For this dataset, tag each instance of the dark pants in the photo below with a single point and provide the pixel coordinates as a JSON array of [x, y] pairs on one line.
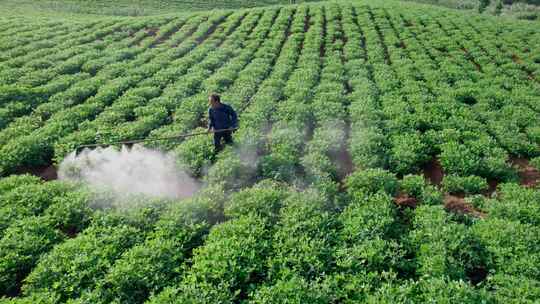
[[226, 136]]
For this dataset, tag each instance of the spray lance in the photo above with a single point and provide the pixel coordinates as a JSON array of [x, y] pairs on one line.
[[142, 140]]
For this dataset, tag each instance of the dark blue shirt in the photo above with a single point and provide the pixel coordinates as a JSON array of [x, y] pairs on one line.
[[222, 117]]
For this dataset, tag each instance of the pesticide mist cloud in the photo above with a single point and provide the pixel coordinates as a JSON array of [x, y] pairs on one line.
[[129, 171]]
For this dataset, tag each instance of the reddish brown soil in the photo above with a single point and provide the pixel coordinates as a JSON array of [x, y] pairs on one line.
[[529, 176], [433, 172], [404, 200], [47, 173], [457, 204]]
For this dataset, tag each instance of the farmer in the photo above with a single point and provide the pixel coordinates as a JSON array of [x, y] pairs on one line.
[[221, 116]]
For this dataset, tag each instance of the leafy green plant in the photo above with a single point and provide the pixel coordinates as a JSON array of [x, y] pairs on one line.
[[443, 248], [155, 263], [371, 181], [291, 290], [513, 289], [14, 181], [22, 244], [407, 153], [464, 184], [80, 263], [226, 266], [29, 200], [304, 238], [511, 245], [513, 203], [196, 154], [263, 199], [365, 244]]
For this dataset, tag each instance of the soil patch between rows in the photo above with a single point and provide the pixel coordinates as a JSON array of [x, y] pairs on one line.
[[433, 172], [457, 204], [46, 172], [529, 176]]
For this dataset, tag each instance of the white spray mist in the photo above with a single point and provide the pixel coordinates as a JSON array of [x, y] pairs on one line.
[[129, 171]]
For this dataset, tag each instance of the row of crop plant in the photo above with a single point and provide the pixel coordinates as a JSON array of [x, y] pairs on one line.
[[274, 243], [428, 95], [62, 214], [278, 244], [106, 86], [237, 170], [78, 58], [35, 216], [182, 229], [11, 39], [428, 218], [78, 49], [191, 112], [322, 159], [292, 122], [196, 154], [21, 45], [20, 99], [130, 118]]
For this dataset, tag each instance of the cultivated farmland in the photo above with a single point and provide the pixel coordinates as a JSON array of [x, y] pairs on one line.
[[387, 153], [133, 7]]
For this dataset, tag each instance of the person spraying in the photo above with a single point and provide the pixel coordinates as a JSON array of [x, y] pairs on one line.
[[221, 117]]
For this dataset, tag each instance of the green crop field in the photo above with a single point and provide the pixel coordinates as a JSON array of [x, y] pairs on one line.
[[132, 7], [388, 152]]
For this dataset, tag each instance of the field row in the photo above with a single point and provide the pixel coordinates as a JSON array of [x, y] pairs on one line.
[[361, 126], [129, 80], [132, 8]]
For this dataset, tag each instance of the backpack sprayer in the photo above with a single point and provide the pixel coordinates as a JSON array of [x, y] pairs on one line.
[[136, 141]]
